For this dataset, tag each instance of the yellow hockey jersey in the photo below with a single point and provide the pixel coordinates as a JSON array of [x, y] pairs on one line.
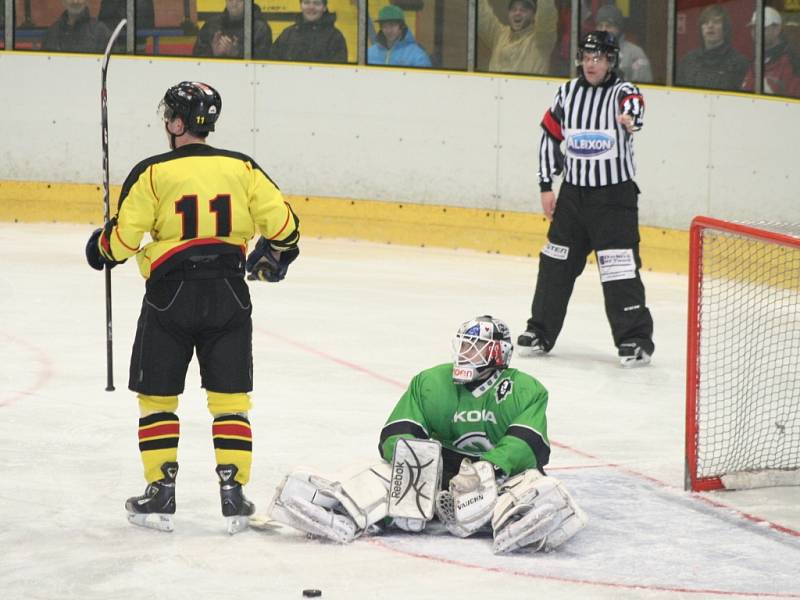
[[196, 200]]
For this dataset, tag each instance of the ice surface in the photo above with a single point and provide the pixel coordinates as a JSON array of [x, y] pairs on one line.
[[334, 346]]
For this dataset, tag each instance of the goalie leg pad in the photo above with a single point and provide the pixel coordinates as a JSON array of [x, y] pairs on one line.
[[338, 511], [316, 520], [415, 477], [535, 511]]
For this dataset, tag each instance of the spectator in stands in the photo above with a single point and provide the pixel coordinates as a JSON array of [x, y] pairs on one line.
[[113, 11], [633, 62], [716, 64], [781, 66], [525, 44], [76, 31], [222, 36], [313, 37], [395, 44]]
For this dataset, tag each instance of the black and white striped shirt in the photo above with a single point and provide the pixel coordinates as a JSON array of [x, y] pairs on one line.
[[597, 150]]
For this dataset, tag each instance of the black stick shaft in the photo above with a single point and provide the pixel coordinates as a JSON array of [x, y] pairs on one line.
[[106, 201]]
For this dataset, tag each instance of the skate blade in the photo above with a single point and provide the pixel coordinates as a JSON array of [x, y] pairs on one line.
[[634, 363], [263, 523], [527, 351], [157, 521], [237, 524]]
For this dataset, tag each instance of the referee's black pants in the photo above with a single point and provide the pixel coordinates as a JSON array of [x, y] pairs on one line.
[[604, 220]]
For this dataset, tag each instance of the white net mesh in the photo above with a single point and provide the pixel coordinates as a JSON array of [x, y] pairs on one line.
[[748, 401]]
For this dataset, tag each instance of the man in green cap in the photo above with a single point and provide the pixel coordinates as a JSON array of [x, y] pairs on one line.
[[395, 44]]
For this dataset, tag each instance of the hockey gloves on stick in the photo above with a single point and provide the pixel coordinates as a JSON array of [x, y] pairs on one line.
[[93, 255], [267, 264]]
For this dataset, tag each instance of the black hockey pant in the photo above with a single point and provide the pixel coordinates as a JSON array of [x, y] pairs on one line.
[[604, 220]]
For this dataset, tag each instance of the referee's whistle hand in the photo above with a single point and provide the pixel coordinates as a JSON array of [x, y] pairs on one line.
[[626, 121]]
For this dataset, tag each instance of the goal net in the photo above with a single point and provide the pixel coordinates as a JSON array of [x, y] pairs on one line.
[[743, 356]]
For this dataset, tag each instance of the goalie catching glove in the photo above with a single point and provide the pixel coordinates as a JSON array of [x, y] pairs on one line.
[[267, 263], [537, 511]]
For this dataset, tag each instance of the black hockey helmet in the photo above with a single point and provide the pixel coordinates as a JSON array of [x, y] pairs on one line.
[[603, 42], [197, 104]]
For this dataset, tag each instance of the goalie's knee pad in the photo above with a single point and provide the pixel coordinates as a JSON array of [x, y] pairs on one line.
[[339, 511], [537, 511]]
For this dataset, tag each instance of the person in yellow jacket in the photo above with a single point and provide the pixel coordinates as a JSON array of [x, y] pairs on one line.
[[200, 206], [525, 44]]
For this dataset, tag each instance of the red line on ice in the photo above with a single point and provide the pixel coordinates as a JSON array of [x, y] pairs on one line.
[[611, 584], [43, 373]]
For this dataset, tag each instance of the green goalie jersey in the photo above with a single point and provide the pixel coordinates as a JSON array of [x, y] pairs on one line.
[[502, 421]]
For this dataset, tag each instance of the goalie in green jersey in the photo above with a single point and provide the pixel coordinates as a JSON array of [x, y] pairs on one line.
[[466, 444]]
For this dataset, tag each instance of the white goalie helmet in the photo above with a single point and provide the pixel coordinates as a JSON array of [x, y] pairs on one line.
[[481, 346]]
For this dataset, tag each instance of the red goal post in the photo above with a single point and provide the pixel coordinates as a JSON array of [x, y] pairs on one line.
[[743, 356]]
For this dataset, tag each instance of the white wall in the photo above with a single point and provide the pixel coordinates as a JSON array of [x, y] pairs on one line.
[[420, 137]]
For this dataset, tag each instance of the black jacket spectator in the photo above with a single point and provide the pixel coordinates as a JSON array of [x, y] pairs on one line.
[[316, 41], [86, 35], [721, 68], [715, 64]]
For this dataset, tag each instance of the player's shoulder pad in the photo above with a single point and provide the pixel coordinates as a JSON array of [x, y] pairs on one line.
[[137, 171], [244, 158]]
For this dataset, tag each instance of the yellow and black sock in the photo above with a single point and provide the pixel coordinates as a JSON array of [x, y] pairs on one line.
[[233, 443], [158, 442]]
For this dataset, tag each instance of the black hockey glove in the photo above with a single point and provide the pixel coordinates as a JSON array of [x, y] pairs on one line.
[[93, 257], [263, 266]]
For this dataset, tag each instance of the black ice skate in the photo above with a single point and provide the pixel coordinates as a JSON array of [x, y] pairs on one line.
[[235, 507], [530, 344], [154, 508], [631, 354]]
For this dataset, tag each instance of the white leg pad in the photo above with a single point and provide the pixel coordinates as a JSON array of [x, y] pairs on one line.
[[313, 519], [535, 511], [339, 511]]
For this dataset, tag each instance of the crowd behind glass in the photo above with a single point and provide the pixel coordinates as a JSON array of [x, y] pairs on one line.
[[733, 45]]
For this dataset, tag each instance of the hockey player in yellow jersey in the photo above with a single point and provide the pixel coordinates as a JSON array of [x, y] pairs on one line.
[[200, 206]]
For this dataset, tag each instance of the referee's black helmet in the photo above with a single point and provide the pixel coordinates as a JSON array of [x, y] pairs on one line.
[[603, 42]]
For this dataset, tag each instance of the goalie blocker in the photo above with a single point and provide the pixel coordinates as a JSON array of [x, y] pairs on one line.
[[529, 510]]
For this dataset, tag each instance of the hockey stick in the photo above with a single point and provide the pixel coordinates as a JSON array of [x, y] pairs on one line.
[[106, 203]]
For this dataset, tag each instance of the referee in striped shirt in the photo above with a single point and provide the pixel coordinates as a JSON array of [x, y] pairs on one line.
[[587, 134]]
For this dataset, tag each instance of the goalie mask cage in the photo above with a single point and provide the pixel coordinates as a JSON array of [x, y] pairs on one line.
[[743, 356]]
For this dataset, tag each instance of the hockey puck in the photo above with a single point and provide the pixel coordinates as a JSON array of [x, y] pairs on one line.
[[312, 593]]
